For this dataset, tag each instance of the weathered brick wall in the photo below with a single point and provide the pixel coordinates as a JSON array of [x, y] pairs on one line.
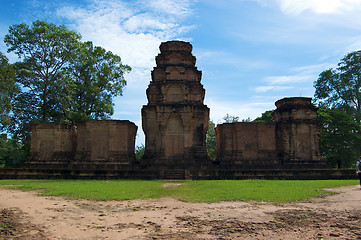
[[89, 141], [246, 143], [106, 141], [52, 142]]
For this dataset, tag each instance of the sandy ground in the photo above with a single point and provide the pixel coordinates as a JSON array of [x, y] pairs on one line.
[[24, 215]]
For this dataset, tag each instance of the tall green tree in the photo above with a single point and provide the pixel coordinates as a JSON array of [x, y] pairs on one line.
[[339, 137], [44, 50], [339, 90], [8, 89], [97, 76], [341, 87]]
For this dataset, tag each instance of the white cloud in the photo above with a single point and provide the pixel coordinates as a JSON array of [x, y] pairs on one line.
[[299, 77], [313, 69], [178, 8], [317, 6], [132, 30], [242, 109], [287, 79], [354, 44], [263, 89]]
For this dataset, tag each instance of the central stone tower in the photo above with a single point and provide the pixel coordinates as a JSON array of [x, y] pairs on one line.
[[175, 120]]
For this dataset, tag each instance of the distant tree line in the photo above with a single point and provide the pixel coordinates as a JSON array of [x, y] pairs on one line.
[[57, 78]]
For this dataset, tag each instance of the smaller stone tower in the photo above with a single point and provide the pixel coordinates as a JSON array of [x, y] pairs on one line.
[[297, 132], [175, 120]]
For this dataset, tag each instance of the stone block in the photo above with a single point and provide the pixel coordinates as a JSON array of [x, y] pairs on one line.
[[106, 141], [52, 142], [247, 144]]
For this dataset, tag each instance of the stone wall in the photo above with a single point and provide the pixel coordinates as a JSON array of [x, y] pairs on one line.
[[175, 120], [52, 142], [246, 144], [108, 141]]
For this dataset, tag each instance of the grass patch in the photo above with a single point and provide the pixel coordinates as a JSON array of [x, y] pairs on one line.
[[255, 190], [190, 191], [91, 189]]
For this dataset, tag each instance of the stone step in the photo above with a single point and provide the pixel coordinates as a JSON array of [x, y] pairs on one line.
[[174, 174]]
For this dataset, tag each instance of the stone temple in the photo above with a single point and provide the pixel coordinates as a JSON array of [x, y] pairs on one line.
[[175, 120], [175, 123]]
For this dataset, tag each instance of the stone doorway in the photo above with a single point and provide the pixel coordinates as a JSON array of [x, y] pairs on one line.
[[174, 138]]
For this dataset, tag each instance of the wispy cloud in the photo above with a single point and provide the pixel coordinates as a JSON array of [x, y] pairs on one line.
[[287, 79], [242, 109], [263, 89], [133, 30], [299, 76], [318, 6]]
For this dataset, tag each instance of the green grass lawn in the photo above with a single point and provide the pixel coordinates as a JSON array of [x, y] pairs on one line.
[[189, 191]]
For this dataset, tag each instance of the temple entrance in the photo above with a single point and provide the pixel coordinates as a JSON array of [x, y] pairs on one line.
[[174, 139]]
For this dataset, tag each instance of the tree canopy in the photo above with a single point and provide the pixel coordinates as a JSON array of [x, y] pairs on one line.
[[230, 119], [341, 87], [96, 77], [266, 117], [340, 138], [8, 89], [338, 94]]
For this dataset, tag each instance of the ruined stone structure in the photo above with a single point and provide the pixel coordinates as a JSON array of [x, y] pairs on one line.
[[89, 143], [175, 120], [292, 141], [297, 131]]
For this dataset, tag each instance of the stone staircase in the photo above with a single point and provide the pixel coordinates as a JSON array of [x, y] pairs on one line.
[[174, 174]]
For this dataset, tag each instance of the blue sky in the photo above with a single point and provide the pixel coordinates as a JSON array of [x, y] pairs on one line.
[[251, 52]]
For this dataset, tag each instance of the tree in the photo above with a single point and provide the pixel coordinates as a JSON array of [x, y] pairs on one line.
[[230, 119], [11, 153], [341, 87], [339, 90], [211, 141], [139, 151], [340, 137], [97, 76], [266, 117], [45, 50], [8, 89], [245, 120]]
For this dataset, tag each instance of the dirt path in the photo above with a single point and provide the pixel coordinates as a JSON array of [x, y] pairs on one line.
[[28, 216]]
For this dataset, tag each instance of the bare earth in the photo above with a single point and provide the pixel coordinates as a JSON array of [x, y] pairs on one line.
[[24, 215]]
